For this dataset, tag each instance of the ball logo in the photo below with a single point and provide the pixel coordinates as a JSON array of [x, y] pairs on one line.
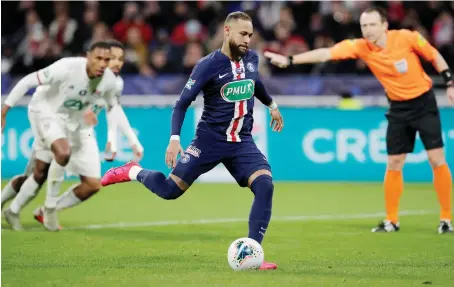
[[244, 252], [238, 90]]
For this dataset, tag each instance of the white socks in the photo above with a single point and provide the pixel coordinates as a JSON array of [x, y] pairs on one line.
[[55, 178], [67, 199], [8, 191], [134, 171], [27, 192]]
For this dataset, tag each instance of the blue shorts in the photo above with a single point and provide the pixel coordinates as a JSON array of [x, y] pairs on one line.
[[241, 159]]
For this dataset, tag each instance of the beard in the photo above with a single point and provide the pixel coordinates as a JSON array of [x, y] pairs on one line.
[[235, 50]]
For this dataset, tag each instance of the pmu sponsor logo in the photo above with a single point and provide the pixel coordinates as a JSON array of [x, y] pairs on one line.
[[238, 90]]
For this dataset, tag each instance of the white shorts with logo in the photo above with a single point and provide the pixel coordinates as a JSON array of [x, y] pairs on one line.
[[85, 158]]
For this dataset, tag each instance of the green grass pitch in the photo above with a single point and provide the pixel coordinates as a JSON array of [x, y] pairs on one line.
[[319, 235]]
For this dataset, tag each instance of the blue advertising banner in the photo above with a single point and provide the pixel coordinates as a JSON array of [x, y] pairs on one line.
[[335, 145], [316, 145], [152, 126]]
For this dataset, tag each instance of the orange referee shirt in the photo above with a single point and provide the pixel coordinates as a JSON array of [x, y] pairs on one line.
[[397, 65]]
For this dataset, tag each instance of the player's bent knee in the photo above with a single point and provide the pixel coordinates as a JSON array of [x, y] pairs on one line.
[[178, 181], [173, 190], [62, 151], [436, 157], [258, 173], [396, 162]]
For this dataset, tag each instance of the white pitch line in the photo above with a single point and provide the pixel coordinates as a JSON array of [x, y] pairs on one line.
[[234, 220]]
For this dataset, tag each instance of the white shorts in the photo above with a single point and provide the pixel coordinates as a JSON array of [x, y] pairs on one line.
[[85, 158], [46, 128]]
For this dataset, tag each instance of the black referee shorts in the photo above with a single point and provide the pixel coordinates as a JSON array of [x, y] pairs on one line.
[[405, 118]]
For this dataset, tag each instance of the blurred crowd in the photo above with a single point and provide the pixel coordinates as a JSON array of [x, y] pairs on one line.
[[170, 37]]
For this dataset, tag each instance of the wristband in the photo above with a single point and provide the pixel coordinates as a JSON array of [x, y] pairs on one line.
[[273, 106], [447, 77], [290, 61], [175, 138]]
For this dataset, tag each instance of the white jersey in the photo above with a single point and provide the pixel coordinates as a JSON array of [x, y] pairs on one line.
[[119, 84], [66, 89]]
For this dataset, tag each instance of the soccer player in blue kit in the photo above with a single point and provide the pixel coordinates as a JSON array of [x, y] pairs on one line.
[[229, 80]]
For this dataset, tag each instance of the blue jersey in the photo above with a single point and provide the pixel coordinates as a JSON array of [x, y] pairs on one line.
[[228, 90]]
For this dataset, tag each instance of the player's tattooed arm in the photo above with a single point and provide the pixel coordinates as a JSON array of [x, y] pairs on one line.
[[199, 77]]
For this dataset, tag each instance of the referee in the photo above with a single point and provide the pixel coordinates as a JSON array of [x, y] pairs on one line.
[[392, 56]]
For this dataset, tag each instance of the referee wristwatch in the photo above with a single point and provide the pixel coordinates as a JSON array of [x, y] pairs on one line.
[[447, 77]]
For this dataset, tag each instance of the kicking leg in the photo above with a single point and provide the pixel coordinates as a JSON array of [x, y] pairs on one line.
[[168, 188], [199, 159]]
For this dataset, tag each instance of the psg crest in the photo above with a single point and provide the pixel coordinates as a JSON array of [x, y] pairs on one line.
[[250, 67]]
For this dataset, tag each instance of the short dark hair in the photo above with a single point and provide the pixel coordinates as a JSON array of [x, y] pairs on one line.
[[100, 45], [116, 44], [380, 11], [238, 15]]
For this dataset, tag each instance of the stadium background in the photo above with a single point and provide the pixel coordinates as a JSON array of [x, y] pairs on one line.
[[319, 232], [322, 139]]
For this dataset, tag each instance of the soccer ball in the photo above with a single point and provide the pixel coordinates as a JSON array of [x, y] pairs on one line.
[[245, 254]]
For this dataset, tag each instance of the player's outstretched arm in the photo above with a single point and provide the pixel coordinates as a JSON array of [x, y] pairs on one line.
[[347, 49], [28, 82], [46, 76], [314, 56]]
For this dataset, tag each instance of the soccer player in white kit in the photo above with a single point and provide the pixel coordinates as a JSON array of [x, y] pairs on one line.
[[116, 118], [62, 113]]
